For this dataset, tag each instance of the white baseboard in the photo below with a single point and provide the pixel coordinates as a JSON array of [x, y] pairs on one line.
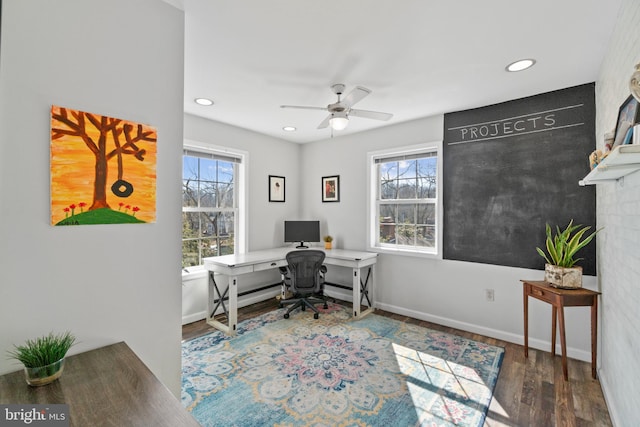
[[489, 332], [194, 317]]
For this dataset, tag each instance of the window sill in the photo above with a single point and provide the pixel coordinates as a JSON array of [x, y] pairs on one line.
[[193, 273], [404, 252]]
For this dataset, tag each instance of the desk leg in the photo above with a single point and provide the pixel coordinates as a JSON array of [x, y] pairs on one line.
[[525, 302], [554, 326], [356, 292], [358, 286], [233, 304], [563, 343], [594, 336], [232, 313]]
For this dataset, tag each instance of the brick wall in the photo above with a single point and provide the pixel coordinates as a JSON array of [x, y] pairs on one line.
[[618, 212]]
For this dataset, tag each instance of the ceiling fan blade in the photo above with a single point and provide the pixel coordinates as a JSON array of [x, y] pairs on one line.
[[354, 96], [376, 115], [304, 107], [325, 122]]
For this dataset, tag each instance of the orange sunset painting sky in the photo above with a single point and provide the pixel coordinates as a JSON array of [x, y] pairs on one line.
[[100, 163]]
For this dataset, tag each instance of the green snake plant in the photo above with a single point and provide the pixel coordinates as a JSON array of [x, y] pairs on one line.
[[562, 247]]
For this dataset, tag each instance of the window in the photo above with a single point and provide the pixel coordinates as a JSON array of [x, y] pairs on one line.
[[211, 203], [404, 187]]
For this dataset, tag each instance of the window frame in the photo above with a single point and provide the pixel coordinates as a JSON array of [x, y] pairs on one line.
[[373, 191], [239, 190]]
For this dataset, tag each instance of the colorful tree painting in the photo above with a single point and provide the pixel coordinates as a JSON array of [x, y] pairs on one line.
[[100, 162]]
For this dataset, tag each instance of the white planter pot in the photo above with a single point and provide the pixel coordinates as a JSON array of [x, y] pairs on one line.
[[563, 277]]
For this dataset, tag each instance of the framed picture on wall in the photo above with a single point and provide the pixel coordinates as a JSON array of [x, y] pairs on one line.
[[331, 188], [628, 116], [100, 191], [276, 188]]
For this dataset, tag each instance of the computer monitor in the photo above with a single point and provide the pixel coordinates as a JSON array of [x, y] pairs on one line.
[[301, 231]]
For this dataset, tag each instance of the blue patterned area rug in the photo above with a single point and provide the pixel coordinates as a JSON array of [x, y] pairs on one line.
[[336, 371]]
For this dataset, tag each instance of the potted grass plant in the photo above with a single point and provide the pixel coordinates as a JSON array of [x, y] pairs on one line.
[[43, 358], [561, 270], [327, 242]]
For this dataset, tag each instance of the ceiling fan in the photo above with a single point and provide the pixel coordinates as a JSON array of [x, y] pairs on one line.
[[340, 111]]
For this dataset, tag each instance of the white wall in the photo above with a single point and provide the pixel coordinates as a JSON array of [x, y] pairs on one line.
[[618, 205], [105, 283], [447, 292]]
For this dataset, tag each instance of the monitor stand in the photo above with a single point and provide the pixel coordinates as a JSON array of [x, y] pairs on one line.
[[302, 246]]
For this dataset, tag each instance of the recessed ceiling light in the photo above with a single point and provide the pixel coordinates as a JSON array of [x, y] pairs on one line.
[[289, 129], [520, 65], [203, 101]]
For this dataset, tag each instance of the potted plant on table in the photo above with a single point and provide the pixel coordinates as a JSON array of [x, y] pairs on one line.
[[43, 358], [560, 269], [327, 242]]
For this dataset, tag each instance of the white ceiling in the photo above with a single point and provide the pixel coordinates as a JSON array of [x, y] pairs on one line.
[[419, 57]]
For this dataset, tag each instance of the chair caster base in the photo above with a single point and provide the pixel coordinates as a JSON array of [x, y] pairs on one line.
[[325, 306], [315, 315], [286, 315]]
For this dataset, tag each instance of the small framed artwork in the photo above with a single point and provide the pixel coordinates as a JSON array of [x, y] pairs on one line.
[[276, 188], [331, 188], [628, 116]]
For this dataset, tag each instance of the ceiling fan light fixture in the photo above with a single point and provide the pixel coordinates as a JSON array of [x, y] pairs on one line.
[[340, 111], [338, 121]]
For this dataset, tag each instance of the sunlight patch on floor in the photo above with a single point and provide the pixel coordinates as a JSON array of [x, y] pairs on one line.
[[451, 388]]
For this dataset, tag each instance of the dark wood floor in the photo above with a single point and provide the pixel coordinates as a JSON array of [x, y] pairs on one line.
[[529, 392]]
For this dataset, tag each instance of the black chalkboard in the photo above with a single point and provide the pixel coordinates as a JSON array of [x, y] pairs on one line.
[[509, 169]]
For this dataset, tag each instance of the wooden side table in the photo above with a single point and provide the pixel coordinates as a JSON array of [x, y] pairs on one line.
[[559, 299]]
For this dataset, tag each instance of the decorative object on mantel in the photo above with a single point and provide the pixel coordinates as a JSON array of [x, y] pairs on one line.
[[327, 241], [43, 358], [634, 83], [628, 116], [595, 158], [560, 270], [608, 142]]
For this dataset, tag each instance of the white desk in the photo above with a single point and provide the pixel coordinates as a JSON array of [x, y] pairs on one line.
[[236, 265]]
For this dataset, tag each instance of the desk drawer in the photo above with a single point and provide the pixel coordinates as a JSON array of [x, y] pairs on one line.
[[541, 294], [269, 265]]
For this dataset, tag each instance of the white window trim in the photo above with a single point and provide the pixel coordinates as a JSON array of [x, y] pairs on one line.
[[372, 222], [242, 236]]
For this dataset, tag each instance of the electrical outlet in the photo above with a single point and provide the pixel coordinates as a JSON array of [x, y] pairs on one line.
[[489, 294]]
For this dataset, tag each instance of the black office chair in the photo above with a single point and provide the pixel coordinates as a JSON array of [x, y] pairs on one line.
[[304, 275]]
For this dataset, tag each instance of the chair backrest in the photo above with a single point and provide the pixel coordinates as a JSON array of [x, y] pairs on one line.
[[304, 268]]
